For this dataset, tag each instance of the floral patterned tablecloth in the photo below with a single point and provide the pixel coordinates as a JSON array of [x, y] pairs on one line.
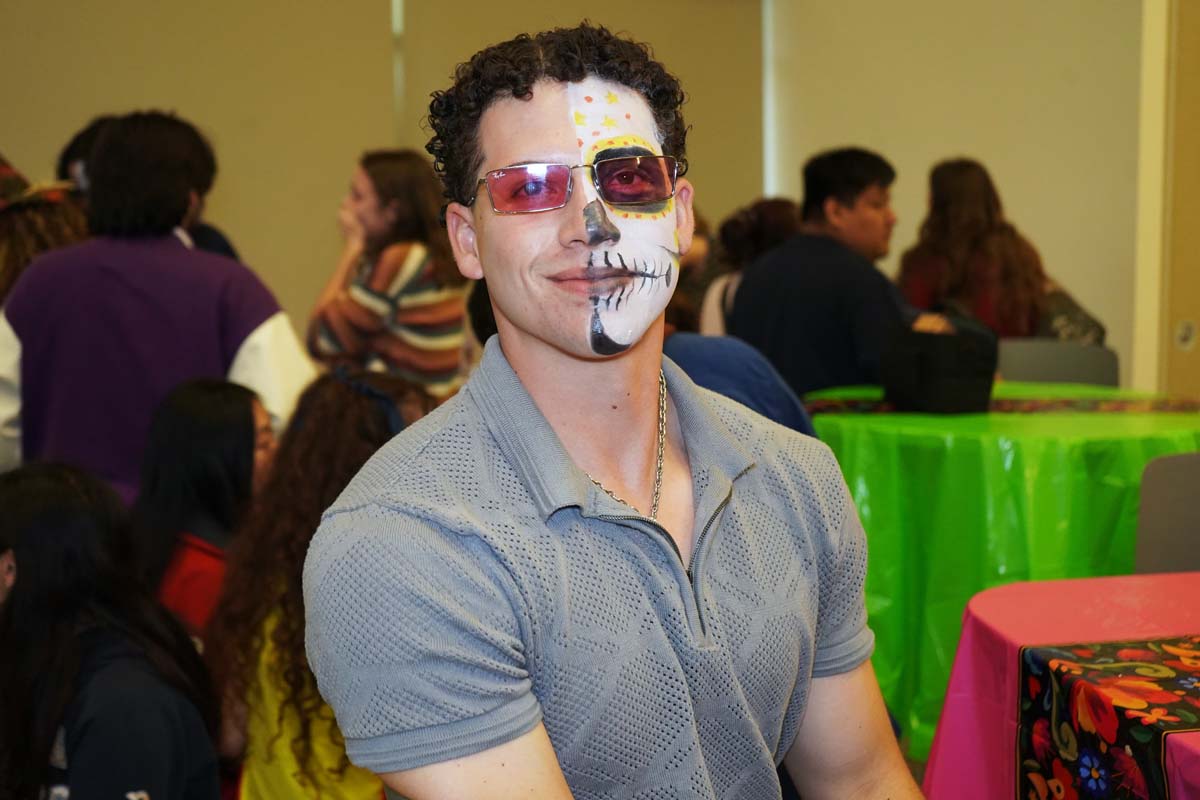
[[1093, 717]]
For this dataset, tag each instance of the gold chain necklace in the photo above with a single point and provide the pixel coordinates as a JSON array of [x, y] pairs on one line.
[[658, 461]]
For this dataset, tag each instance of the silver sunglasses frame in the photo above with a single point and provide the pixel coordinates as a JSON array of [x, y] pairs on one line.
[[676, 174]]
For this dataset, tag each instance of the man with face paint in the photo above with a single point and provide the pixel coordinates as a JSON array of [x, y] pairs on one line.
[[583, 576]]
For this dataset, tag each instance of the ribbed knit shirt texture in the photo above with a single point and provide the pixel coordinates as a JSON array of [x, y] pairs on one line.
[[471, 582]]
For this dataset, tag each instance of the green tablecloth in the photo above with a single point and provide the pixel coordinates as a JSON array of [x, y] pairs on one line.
[[956, 504]]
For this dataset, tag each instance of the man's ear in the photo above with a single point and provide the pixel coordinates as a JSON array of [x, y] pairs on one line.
[[460, 227], [194, 210], [8, 570], [685, 217], [834, 212]]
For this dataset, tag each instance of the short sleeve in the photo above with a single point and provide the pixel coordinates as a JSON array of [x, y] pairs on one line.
[[843, 638], [246, 303], [415, 636]]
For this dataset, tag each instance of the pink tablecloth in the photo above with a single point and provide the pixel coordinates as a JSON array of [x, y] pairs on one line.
[[974, 750]]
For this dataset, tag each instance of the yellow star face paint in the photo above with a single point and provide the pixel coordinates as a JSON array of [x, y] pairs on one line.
[[640, 256]]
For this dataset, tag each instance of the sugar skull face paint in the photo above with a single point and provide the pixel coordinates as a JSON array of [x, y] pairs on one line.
[[635, 249]]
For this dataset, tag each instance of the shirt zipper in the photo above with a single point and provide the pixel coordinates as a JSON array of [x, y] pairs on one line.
[[687, 571]]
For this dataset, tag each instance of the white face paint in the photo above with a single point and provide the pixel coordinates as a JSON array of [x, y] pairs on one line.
[[637, 245]]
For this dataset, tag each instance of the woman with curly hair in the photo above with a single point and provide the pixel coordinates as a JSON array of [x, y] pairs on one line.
[[274, 718], [396, 299], [969, 258]]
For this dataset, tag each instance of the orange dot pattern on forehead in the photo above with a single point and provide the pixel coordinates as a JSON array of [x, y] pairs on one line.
[[587, 98]]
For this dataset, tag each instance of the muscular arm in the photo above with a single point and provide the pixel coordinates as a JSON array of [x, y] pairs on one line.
[[845, 746], [523, 767]]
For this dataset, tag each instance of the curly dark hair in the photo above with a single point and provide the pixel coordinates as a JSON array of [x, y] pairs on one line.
[[511, 69], [340, 421]]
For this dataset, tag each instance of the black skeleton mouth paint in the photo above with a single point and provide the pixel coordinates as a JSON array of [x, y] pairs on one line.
[[640, 276]]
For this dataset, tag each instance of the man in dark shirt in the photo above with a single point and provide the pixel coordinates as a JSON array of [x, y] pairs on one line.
[[816, 306]]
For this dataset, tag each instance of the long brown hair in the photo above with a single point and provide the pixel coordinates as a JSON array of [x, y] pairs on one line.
[[965, 224], [339, 422], [406, 179]]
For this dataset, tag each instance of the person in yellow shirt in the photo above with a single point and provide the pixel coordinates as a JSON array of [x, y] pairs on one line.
[[273, 719]]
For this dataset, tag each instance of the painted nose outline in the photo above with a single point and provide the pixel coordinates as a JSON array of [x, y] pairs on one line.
[[598, 227]]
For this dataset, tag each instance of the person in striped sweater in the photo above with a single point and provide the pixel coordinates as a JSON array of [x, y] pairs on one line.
[[396, 302]]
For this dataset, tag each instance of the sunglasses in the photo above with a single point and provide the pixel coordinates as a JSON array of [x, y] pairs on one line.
[[625, 181]]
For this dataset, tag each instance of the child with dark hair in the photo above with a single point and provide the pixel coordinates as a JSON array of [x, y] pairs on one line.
[[274, 718], [210, 445], [104, 694], [396, 300]]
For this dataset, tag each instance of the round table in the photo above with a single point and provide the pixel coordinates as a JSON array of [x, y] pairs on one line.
[[954, 504]]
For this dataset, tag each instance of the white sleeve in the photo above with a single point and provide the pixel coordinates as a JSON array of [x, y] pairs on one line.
[[10, 396], [274, 366]]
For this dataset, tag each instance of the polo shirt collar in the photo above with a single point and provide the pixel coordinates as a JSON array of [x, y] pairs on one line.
[[542, 463]]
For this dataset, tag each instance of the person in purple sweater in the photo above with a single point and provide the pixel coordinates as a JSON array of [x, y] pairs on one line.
[[92, 337]]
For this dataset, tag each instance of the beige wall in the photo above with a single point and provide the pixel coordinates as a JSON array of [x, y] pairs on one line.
[[291, 92], [713, 46], [288, 92], [1182, 246], [1045, 94]]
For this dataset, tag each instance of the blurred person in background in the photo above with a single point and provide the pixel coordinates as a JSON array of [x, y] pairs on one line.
[[969, 258], [395, 301], [273, 717], [104, 695], [93, 336], [744, 236], [195, 153], [817, 306], [210, 448], [33, 220]]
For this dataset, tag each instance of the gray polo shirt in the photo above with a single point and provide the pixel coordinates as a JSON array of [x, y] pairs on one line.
[[472, 581]]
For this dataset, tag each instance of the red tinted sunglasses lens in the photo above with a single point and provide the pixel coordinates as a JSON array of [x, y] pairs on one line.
[[529, 187], [636, 179]]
